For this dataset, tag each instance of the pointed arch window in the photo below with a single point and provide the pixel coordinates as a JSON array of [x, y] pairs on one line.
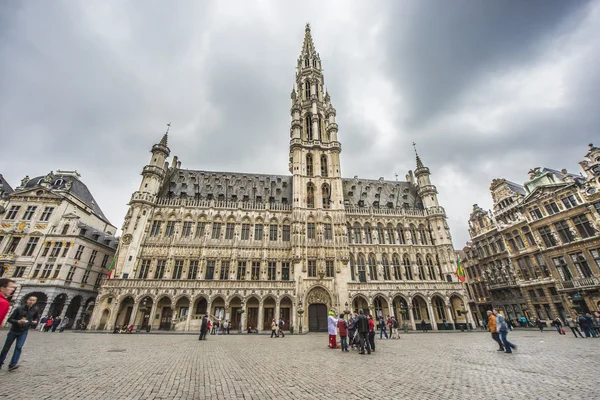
[[396, 264], [439, 267], [315, 63], [306, 62], [326, 193], [362, 276], [372, 268], [357, 235], [400, 231], [430, 268], [349, 233], [391, 236], [319, 130], [380, 234], [352, 267], [368, 234], [386, 267], [421, 268], [307, 89], [309, 130], [413, 234], [324, 166], [422, 234], [310, 195], [309, 165], [407, 269]]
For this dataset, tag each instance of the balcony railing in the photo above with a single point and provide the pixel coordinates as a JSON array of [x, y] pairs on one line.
[[403, 285], [197, 283], [583, 283]]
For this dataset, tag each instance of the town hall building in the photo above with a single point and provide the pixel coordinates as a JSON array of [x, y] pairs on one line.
[[249, 247]]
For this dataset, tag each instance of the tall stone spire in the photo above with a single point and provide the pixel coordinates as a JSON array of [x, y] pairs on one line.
[[165, 137], [419, 162], [308, 47]]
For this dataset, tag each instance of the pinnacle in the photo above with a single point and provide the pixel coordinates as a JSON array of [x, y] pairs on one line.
[[163, 141], [308, 47]]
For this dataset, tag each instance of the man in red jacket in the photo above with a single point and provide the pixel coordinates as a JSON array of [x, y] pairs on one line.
[[7, 287], [343, 331]]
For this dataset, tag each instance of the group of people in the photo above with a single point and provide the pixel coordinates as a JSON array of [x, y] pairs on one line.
[[358, 332], [590, 325], [277, 328], [214, 328], [51, 324], [499, 329]]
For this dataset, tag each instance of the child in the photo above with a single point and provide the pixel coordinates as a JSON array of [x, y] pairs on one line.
[[343, 330]]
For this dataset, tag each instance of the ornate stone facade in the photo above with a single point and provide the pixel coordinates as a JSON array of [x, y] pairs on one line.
[[197, 242], [537, 254]]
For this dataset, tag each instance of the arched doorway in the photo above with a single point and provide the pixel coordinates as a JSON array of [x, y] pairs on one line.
[[439, 311], [166, 313], [421, 313], [125, 310], [268, 312], [144, 319], [252, 305], [103, 320], [41, 302], [400, 310], [235, 305], [318, 301], [201, 307], [72, 310], [457, 305], [285, 312], [218, 308], [360, 303], [58, 304], [381, 307]]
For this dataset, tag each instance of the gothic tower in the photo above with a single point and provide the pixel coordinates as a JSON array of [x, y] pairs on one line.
[[141, 209]]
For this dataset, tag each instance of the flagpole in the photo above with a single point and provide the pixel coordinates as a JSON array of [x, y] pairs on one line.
[[114, 262]]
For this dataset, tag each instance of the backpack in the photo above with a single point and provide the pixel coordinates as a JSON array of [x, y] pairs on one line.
[[395, 324]]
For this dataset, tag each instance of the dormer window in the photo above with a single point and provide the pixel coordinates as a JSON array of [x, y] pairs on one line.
[[361, 203], [59, 182]]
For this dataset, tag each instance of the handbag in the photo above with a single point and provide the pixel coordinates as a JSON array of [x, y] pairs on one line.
[[563, 331]]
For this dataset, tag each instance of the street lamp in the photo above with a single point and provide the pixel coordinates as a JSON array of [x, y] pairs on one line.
[[300, 312]]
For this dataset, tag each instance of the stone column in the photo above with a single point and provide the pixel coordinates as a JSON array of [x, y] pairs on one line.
[[113, 316], [431, 316], [277, 310], [189, 318], [134, 312], [470, 317], [243, 327], [450, 316], [412, 318], [316, 136], [78, 316], [152, 312], [260, 317]]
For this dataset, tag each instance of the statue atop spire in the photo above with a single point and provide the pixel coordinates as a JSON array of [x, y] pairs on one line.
[[164, 139], [308, 47], [419, 162]]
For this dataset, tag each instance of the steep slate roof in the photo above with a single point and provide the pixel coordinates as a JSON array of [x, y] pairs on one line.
[[516, 187], [78, 189], [5, 187], [278, 188]]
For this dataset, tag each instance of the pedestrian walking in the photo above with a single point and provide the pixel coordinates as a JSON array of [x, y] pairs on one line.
[[204, 328], [371, 333], [343, 331], [42, 323], [48, 325], [502, 329], [362, 326], [572, 324], [382, 328], [332, 329], [274, 329], [281, 323], [64, 324], [56, 323], [539, 324], [491, 323], [21, 319], [557, 323], [352, 334], [423, 326], [7, 287]]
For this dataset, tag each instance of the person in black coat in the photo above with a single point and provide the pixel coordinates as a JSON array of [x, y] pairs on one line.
[[362, 325], [203, 328]]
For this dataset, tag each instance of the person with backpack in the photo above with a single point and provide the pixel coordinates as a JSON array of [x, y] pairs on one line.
[[557, 323], [281, 323], [396, 326], [352, 331], [343, 332], [382, 328], [390, 325]]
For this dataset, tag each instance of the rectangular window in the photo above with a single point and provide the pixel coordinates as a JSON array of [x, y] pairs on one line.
[[255, 270], [79, 252], [56, 249], [596, 256], [286, 233], [47, 270], [285, 271], [310, 230], [71, 273], [57, 271], [329, 268], [31, 245], [569, 201], [551, 208], [328, 232], [216, 230], [193, 270], [245, 232], [210, 270], [12, 213], [564, 232], [86, 276], [66, 249], [273, 232], [536, 214], [532, 293], [583, 226], [160, 269], [12, 245], [200, 229], [312, 268], [177, 269], [541, 292], [562, 268], [93, 257], [224, 275], [229, 229], [258, 232], [271, 270], [597, 207], [47, 213], [553, 291], [98, 279], [187, 229], [144, 269], [104, 261], [241, 271], [547, 237], [29, 213], [19, 271], [170, 231], [581, 264], [155, 231], [38, 268]]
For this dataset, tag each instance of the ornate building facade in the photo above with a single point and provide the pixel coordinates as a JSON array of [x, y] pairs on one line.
[[251, 247], [537, 254], [55, 242]]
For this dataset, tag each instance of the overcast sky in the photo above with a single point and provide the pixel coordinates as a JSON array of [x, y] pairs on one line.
[[486, 89]]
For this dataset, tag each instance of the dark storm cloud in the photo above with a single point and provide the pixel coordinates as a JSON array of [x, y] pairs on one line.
[[486, 89]]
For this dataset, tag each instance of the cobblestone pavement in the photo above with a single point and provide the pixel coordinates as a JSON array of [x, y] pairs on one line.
[[418, 366]]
